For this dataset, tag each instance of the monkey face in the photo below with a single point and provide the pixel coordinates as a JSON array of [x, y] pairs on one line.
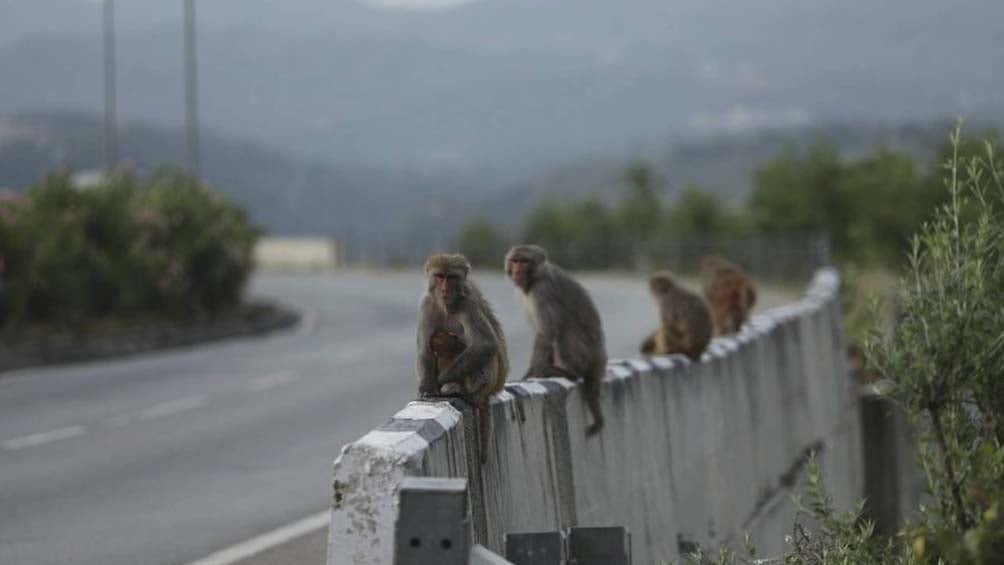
[[446, 285], [521, 261], [661, 284], [447, 277], [446, 345], [519, 270]]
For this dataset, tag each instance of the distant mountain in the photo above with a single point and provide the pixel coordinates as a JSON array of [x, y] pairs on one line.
[[396, 213], [284, 194], [499, 88], [721, 164]]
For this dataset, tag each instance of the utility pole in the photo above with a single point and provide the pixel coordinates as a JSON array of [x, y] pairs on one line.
[[191, 91], [111, 133]]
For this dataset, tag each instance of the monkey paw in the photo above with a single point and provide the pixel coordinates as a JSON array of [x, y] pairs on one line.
[[451, 389]]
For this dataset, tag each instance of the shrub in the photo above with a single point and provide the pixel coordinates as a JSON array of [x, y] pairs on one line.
[[946, 359], [483, 244], [945, 362], [170, 247]]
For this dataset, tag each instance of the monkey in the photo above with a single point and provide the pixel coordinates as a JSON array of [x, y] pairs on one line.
[[730, 293], [568, 339], [446, 346], [686, 320], [461, 347]]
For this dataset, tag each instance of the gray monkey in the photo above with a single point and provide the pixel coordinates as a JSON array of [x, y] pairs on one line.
[[569, 336], [461, 347]]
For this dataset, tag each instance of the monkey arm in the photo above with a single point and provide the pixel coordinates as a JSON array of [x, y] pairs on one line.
[[542, 358], [482, 347], [648, 346], [425, 365], [426, 369]]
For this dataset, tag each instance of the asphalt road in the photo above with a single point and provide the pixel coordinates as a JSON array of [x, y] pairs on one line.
[[165, 458]]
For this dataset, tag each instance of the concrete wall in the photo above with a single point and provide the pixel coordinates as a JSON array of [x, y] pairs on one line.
[[295, 254], [691, 452]]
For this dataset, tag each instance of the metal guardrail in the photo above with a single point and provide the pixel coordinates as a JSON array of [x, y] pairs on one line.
[[434, 528]]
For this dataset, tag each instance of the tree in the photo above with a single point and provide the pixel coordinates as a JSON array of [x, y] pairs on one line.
[[545, 226], [593, 239], [888, 200], [640, 214], [482, 243], [699, 212], [796, 193]]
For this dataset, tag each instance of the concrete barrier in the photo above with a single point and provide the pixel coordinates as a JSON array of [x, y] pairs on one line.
[[691, 452]]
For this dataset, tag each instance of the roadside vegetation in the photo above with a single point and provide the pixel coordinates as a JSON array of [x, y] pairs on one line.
[[163, 247], [944, 360], [866, 206]]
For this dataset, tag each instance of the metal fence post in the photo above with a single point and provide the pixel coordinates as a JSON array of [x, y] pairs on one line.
[[599, 546], [535, 548], [432, 525], [482, 556]]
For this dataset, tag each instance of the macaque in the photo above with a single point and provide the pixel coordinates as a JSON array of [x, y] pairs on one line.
[[568, 338], [445, 348], [730, 293], [461, 347], [685, 320]]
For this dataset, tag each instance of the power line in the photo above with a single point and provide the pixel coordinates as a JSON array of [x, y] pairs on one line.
[[111, 133], [191, 91]]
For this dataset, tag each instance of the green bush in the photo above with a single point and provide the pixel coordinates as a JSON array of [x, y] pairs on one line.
[[483, 244], [945, 363], [946, 359], [71, 255]]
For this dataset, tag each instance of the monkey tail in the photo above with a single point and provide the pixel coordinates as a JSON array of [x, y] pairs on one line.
[[591, 388], [484, 412]]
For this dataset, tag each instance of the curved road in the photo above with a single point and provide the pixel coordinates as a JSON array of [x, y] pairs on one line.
[[165, 458]]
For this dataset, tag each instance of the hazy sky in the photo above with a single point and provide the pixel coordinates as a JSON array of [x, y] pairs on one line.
[[453, 82], [416, 4]]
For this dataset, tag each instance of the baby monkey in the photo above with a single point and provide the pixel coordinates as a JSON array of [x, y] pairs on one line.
[[686, 320], [447, 346]]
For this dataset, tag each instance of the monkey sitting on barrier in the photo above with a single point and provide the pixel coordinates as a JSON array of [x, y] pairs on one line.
[[730, 293], [461, 347], [568, 339], [686, 321]]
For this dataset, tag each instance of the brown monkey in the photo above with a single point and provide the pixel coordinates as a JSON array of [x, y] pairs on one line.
[[730, 293], [461, 347], [686, 320], [569, 336], [446, 347]]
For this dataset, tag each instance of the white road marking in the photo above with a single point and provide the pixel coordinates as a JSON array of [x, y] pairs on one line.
[[266, 541], [275, 379], [34, 440], [172, 407]]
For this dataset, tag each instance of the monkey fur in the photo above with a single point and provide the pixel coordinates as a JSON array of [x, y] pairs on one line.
[[461, 348], [568, 338], [445, 348], [729, 291], [685, 320]]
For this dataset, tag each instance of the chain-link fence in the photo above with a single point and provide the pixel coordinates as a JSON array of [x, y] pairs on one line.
[[783, 258]]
